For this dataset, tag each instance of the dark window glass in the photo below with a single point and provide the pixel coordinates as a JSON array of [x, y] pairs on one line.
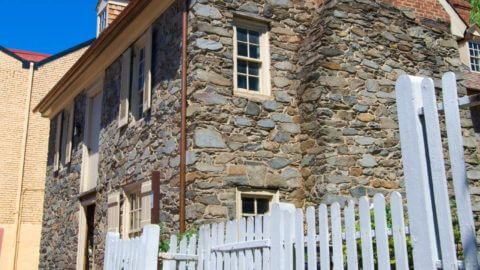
[[254, 37], [242, 34], [242, 67], [242, 81], [248, 205], [242, 49], [253, 83], [253, 68], [263, 206], [254, 51]]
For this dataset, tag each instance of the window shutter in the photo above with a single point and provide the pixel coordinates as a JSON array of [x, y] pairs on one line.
[[147, 90], [58, 133], [146, 194], [68, 148], [124, 88], [113, 212]]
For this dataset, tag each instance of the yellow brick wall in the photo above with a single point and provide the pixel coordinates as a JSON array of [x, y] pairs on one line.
[[13, 90]]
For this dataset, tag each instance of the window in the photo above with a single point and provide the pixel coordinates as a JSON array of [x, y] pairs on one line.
[[135, 211], [251, 59], [63, 137], [255, 202], [140, 93], [133, 207], [102, 20], [474, 56]]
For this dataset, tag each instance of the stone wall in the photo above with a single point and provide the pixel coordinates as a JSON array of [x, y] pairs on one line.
[[328, 132]]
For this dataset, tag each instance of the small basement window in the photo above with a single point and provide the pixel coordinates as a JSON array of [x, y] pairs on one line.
[[255, 202], [474, 49]]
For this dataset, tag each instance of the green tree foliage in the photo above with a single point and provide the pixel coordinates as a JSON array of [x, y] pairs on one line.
[[475, 12]]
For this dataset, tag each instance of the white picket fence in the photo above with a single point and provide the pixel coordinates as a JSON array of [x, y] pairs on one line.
[[364, 236], [139, 253], [325, 237]]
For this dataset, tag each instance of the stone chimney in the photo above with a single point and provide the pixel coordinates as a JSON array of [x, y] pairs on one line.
[[108, 11]]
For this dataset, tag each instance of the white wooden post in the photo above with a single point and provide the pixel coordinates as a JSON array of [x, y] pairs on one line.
[[460, 183], [409, 104], [439, 179]]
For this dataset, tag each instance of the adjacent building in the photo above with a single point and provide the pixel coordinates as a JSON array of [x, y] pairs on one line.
[[25, 77], [288, 101]]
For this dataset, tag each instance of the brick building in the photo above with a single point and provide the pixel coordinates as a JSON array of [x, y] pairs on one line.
[[25, 77], [287, 101]]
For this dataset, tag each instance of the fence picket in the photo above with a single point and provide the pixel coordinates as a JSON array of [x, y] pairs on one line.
[[266, 252], [311, 241], [234, 254], [242, 231], [439, 179], [213, 242], [276, 239], [287, 235], [459, 174], [183, 250], [324, 237], [220, 241], [258, 236], [249, 252], [299, 240], [201, 248], [192, 246], [337, 242], [366, 234], [381, 234], [398, 231], [350, 236], [228, 240]]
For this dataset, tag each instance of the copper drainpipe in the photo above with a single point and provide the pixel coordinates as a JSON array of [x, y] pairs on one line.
[[183, 139]]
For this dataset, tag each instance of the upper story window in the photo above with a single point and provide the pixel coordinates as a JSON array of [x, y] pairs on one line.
[[102, 20], [474, 56], [251, 59], [63, 137], [136, 80]]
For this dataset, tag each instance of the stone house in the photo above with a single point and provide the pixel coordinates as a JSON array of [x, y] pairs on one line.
[[25, 77], [288, 101]]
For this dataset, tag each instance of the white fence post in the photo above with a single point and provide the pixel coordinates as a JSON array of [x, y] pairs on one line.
[[409, 104], [456, 151]]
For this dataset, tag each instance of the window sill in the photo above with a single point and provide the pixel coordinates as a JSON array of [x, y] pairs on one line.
[[251, 95]]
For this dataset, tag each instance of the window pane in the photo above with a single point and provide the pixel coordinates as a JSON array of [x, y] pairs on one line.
[[254, 51], [253, 68], [248, 206], [242, 67], [242, 34], [242, 81], [242, 49], [262, 206], [253, 83], [254, 37]]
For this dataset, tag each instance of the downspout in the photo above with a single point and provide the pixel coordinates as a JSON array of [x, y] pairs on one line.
[[22, 164], [183, 139]]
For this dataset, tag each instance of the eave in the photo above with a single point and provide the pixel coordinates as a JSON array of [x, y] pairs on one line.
[[128, 27]]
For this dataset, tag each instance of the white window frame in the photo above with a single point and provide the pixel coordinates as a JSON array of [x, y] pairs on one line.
[[264, 72], [143, 43], [94, 90], [272, 195], [144, 195], [470, 55], [102, 10]]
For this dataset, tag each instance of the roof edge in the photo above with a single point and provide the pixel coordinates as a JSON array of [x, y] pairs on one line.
[[64, 52]]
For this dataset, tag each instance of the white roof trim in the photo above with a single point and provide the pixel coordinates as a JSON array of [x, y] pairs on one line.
[[457, 25]]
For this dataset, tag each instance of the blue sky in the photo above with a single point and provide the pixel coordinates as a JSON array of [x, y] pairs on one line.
[[46, 26]]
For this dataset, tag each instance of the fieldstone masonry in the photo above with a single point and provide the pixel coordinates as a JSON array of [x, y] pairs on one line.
[[328, 133]]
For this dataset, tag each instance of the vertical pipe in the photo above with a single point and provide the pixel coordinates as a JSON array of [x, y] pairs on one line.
[[22, 164], [183, 140]]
